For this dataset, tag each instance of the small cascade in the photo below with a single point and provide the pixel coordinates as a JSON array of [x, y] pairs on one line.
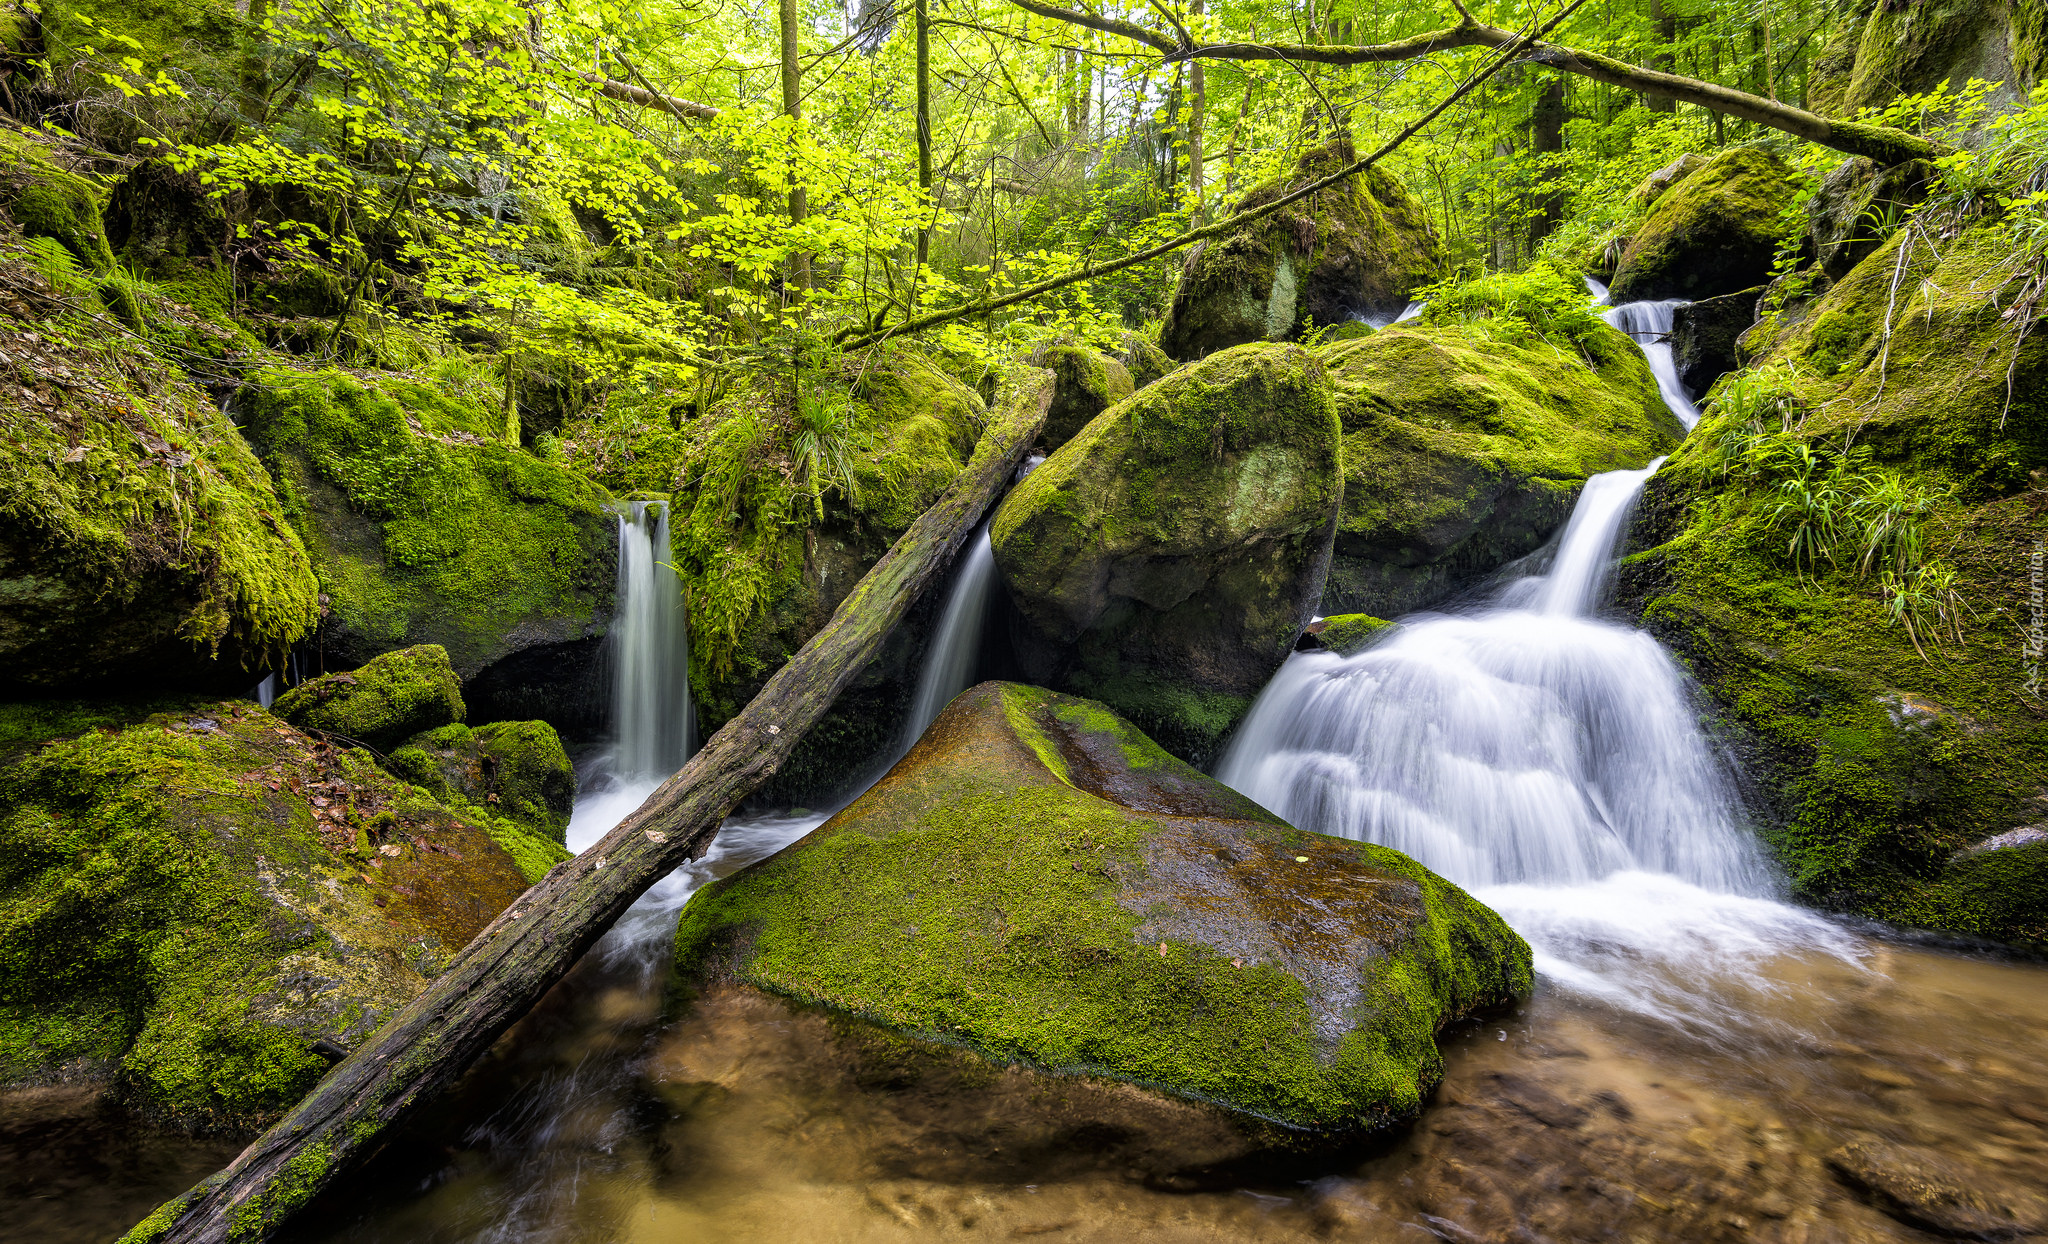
[[955, 650], [652, 720], [1547, 759], [1649, 325], [1408, 312], [1596, 289]]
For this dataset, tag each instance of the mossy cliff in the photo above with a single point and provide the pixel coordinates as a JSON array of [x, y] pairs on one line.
[[1881, 771], [207, 907], [1041, 884], [427, 522], [46, 200], [1361, 247], [1166, 558], [138, 533], [1883, 50], [764, 562], [1714, 233], [1464, 447]]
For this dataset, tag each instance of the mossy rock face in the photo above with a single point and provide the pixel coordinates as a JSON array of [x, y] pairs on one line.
[[48, 201], [1085, 383], [1714, 233], [1165, 559], [1882, 773], [139, 535], [1144, 360], [1462, 453], [1358, 248], [208, 907], [427, 522], [1704, 336], [1664, 180], [389, 699], [1844, 219], [1881, 51], [1040, 883], [517, 769]]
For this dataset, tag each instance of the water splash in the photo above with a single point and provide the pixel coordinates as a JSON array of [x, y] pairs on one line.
[[652, 720], [1648, 324]]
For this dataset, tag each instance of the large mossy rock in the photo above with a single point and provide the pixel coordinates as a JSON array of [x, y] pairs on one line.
[[1040, 883], [1165, 559], [1464, 451], [518, 769], [382, 702], [1893, 783], [1714, 233], [1085, 383], [428, 524], [1361, 248], [139, 535], [1879, 51], [46, 200], [207, 907]]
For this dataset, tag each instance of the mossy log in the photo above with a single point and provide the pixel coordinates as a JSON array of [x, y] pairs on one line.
[[535, 941]]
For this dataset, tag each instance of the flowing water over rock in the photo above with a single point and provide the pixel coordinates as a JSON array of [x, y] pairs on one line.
[[955, 650], [1649, 325], [649, 648]]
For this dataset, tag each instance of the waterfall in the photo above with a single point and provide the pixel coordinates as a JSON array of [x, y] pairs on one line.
[[1649, 324], [1408, 312], [652, 720], [1549, 760], [1596, 289], [955, 651]]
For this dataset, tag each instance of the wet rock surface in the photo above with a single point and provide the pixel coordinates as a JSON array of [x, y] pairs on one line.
[[1703, 337], [1041, 884]]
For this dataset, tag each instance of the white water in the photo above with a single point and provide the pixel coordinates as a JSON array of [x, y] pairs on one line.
[[955, 650], [1408, 312], [652, 722], [1596, 289], [1550, 761], [1649, 325]]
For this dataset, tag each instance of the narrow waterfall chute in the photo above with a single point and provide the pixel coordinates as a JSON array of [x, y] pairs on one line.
[[955, 650], [1648, 324]]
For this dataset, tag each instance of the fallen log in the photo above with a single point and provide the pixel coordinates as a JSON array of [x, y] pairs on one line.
[[535, 941]]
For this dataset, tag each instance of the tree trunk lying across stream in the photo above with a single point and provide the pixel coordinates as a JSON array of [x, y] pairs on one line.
[[535, 941]]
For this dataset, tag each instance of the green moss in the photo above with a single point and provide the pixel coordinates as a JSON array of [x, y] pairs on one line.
[[994, 893], [393, 697], [1346, 633], [516, 769], [131, 511], [1144, 360], [1715, 233], [48, 201], [1085, 383], [1464, 444], [425, 525], [186, 906]]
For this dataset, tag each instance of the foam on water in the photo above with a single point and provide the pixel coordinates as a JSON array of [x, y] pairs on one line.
[[1648, 324]]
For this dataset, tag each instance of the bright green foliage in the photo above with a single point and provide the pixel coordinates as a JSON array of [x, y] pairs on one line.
[[393, 697], [424, 524], [190, 902], [1543, 302], [1024, 886]]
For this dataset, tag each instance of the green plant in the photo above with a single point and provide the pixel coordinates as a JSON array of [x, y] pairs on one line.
[[1542, 302], [1924, 601], [821, 443], [1814, 500], [1888, 513]]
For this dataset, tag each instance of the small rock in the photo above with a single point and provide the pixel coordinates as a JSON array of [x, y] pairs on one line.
[[1929, 1189]]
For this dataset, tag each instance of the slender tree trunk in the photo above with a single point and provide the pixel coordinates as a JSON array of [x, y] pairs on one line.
[[1661, 59], [793, 108], [924, 142], [533, 943], [1546, 134], [1198, 108]]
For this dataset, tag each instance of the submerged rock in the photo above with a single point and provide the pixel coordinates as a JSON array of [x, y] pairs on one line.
[[389, 699], [1360, 248], [1166, 558], [207, 908], [1714, 233], [1346, 633], [517, 769], [1931, 1189], [1876, 767], [1463, 451], [1040, 883]]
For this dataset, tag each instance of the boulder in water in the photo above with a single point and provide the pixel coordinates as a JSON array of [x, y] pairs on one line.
[[1040, 883], [1931, 1189], [1704, 336], [1085, 383], [1165, 559], [1714, 233], [516, 769], [1360, 248], [1346, 633], [1463, 450], [207, 907], [391, 698], [1876, 768]]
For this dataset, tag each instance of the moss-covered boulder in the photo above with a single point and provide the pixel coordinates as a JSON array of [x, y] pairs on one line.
[[517, 769], [1085, 383], [1464, 447], [139, 535], [1890, 780], [1165, 559], [47, 200], [1714, 233], [1360, 248], [1879, 51], [1040, 883], [1664, 180], [388, 699], [1346, 633], [207, 907], [1144, 360], [427, 523]]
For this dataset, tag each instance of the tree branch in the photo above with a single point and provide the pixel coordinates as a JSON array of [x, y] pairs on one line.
[[626, 92]]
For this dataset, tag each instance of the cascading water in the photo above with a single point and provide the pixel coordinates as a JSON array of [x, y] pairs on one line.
[[1549, 760], [650, 648], [1649, 325], [955, 650]]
